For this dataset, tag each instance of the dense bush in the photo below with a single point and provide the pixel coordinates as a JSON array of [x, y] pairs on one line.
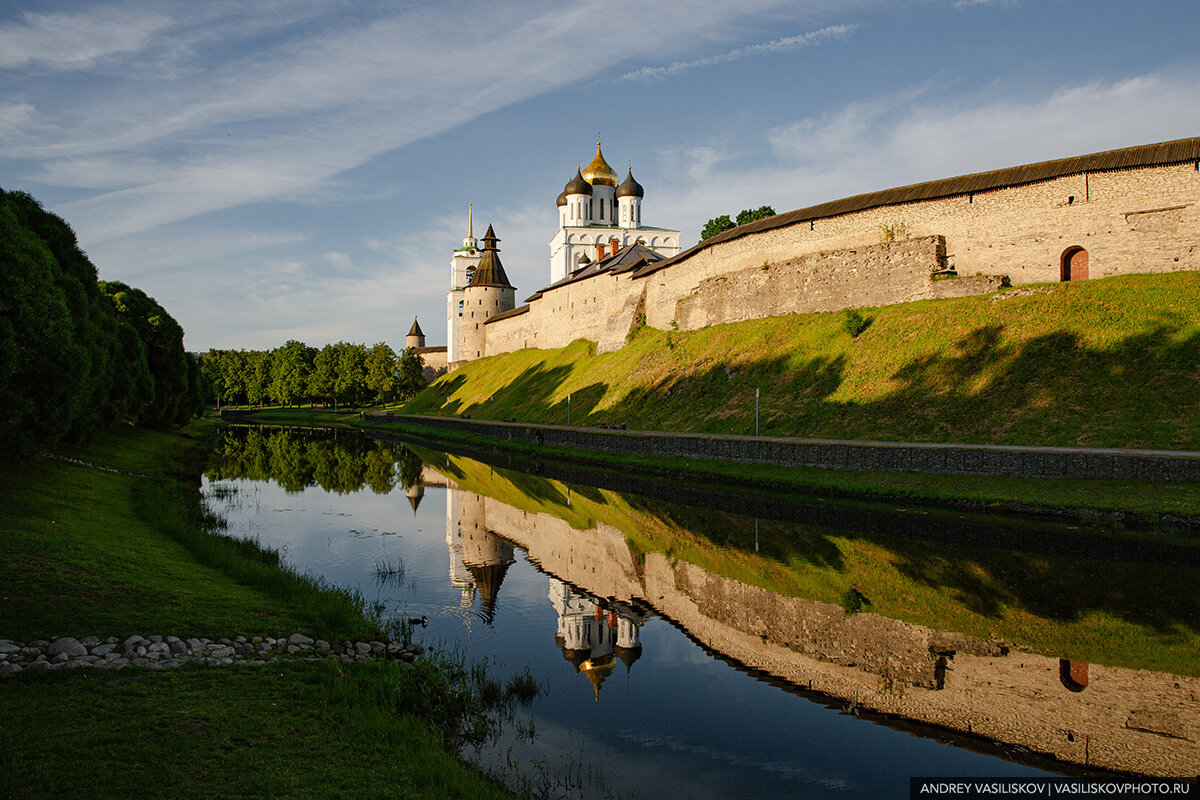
[[77, 354]]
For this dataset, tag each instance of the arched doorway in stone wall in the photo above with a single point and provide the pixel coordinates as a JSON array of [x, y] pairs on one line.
[[1074, 265], [1073, 674]]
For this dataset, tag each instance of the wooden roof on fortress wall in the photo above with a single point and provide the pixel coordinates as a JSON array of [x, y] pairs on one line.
[[1150, 155]]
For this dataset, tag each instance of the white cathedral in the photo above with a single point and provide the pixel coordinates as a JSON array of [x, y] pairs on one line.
[[596, 218]]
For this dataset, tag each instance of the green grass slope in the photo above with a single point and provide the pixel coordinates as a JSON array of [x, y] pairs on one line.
[[1104, 363], [116, 542]]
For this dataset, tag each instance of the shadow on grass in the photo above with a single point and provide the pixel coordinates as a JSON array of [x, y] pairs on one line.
[[1053, 389]]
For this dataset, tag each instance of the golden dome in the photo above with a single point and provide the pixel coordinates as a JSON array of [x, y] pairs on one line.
[[599, 173]]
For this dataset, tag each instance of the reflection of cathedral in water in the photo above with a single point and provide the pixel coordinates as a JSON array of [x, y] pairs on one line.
[[479, 558], [593, 635]]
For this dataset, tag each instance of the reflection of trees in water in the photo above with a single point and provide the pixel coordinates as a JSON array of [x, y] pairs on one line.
[[297, 459]]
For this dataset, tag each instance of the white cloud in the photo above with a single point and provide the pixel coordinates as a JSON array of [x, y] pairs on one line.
[[77, 41], [287, 117], [878, 143], [765, 48]]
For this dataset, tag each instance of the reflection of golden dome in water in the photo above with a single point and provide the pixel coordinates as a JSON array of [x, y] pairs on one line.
[[599, 173], [597, 669]]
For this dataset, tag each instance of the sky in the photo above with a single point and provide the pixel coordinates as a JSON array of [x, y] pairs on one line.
[[300, 169]]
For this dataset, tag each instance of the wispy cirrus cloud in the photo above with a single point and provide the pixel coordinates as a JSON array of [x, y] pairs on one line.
[[268, 113], [832, 32], [59, 41], [930, 132]]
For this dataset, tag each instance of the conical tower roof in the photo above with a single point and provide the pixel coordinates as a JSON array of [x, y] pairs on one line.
[[415, 330], [490, 271], [599, 173]]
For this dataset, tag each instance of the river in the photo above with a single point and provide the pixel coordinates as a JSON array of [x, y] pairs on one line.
[[699, 643]]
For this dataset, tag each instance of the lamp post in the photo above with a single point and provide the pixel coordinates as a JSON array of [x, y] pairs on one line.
[[756, 411]]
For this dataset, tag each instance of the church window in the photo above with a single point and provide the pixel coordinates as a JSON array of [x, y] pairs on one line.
[[460, 307]]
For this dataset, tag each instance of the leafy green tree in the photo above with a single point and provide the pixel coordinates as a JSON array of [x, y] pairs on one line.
[[323, 377], [750, 215], [380, 367], [351, 382], [165, 356], [724, 223], [410, 377], [258, 376], [291, 365], [40, 356], [716, 225]]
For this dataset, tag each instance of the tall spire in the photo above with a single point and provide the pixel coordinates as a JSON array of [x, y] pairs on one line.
[[470, 243]]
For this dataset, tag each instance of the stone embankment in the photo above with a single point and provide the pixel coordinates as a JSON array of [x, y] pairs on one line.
[[162, 652]]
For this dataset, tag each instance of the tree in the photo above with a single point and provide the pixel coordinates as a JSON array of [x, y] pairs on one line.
[[750, 215], [291, 364], [324, 374], [411, 374], [258, 376], [380, 368], [716, 225], [724, 223], [165, 356], [351, 371]]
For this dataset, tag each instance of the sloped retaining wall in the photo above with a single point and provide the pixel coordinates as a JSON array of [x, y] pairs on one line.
[[943, 459]]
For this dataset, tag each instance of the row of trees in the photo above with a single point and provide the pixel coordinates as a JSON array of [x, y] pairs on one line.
[[297, 460], [78, 354], [724, 223], [338, 374]]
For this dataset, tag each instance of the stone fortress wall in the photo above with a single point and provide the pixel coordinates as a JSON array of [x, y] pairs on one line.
[[1130, 216], [1125, 719]]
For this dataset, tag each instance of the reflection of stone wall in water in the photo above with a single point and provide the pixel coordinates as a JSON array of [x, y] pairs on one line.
[[1122, 719]]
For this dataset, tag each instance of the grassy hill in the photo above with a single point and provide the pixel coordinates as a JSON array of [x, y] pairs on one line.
[[1104, 363]]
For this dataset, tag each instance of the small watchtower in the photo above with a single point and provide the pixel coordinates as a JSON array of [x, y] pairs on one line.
[[489, 293], [416, 337]]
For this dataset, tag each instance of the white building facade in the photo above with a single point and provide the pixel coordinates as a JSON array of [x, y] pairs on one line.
[[462, 266], [595, 212]]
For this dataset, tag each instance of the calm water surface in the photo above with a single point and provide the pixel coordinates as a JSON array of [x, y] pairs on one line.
[[698, 653]]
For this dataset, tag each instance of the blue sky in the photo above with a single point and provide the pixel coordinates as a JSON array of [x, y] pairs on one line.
[[270, 169]]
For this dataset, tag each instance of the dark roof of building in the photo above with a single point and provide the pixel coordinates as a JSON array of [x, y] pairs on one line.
[[415, 330], [423, 350], [1149, 155], [629, 258], [577, 185], [512, 312], [490, 272], [629, 187]]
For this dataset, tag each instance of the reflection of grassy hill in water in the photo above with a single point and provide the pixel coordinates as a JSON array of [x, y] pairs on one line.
[[1132, 615], [1102, 363]]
